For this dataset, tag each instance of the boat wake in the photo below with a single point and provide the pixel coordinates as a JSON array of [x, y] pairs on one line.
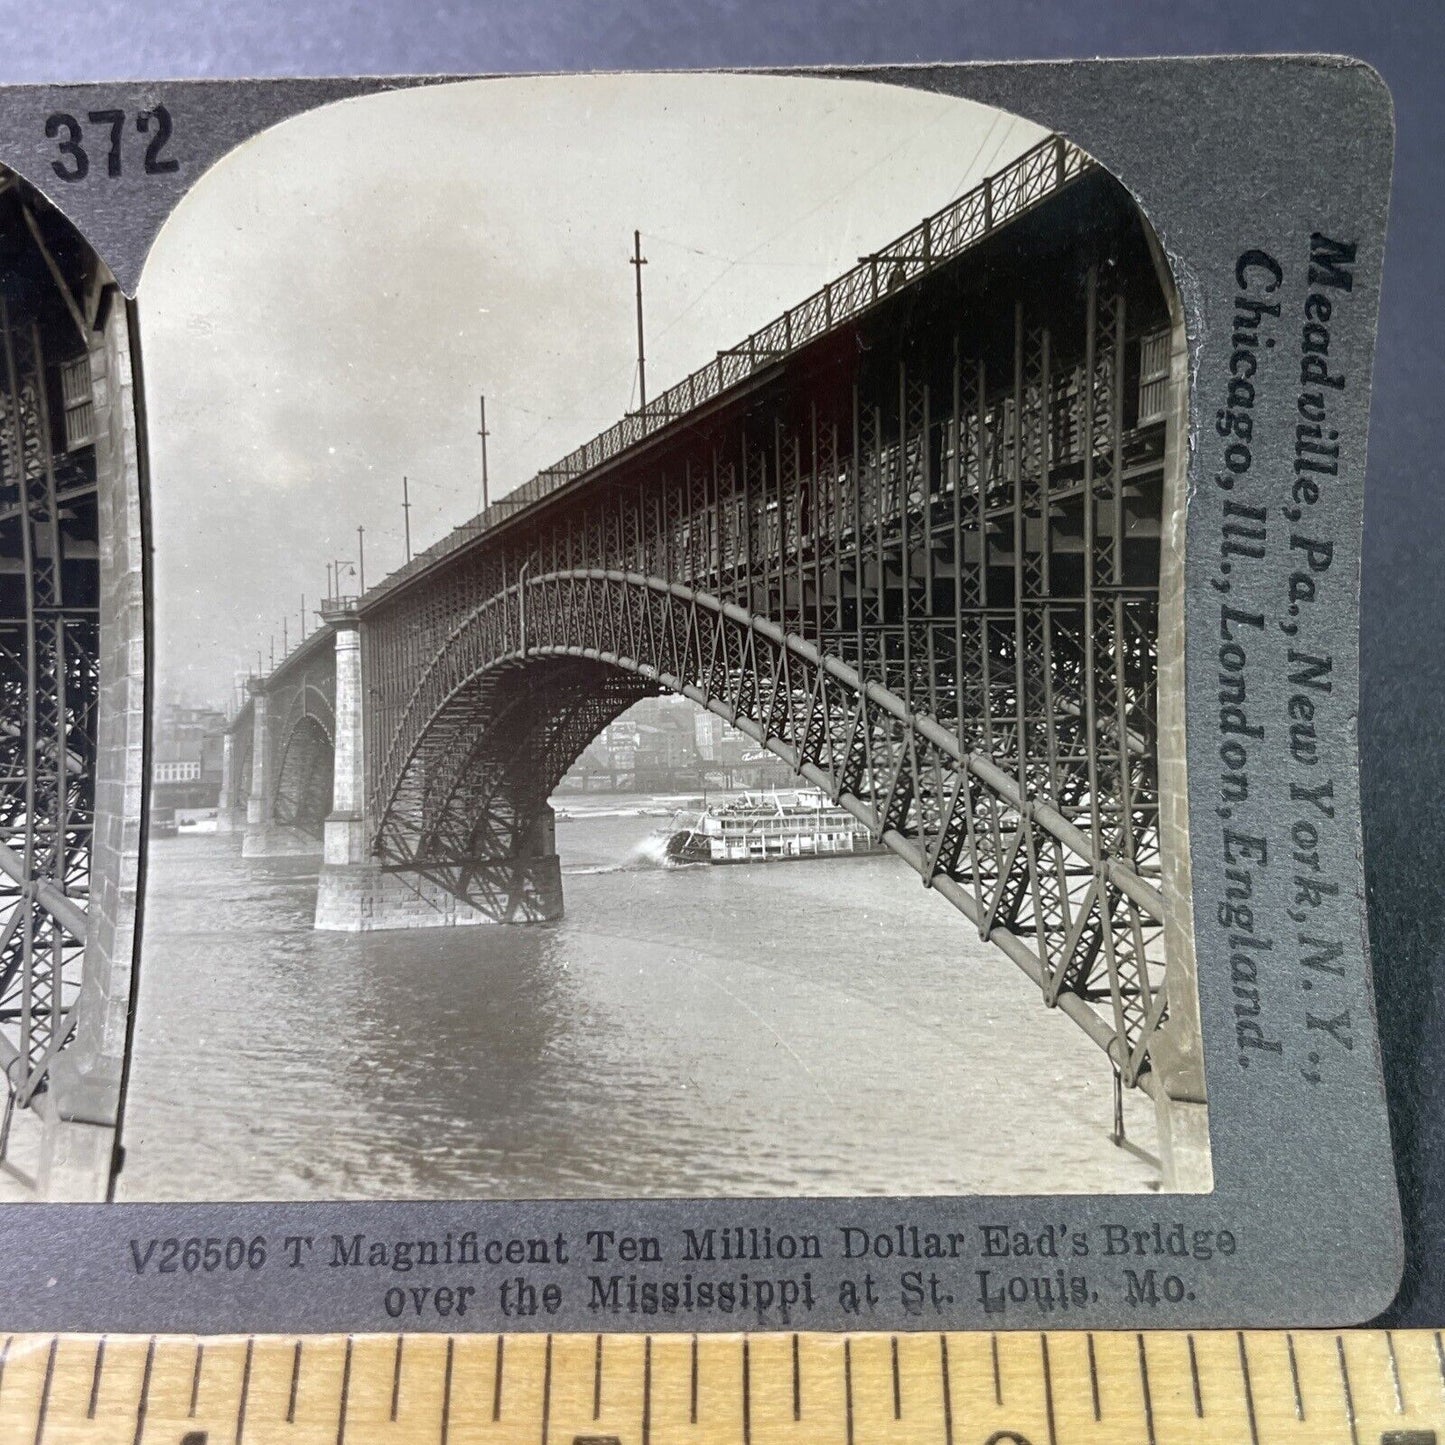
[[652, 853], [649, 854]]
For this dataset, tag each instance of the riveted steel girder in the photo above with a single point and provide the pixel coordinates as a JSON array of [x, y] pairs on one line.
[[920, 562]]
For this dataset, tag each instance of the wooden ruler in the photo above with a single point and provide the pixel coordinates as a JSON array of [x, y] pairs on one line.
[[1253, 1388]]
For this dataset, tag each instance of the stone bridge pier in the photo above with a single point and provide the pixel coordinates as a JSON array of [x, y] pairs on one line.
[[230, 812], [358, 893], [263, 835]]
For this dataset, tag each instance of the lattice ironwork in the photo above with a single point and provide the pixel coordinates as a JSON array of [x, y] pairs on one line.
[[997, 201], [49, 676], [921, 565], [299, 719], [304, 778], [916, 556], [476, 789], [1022, 869]]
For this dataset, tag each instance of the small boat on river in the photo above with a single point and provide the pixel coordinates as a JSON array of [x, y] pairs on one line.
[[768, 827]]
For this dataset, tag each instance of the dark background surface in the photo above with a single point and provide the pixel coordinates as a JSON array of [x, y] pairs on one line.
[[1403, 623]]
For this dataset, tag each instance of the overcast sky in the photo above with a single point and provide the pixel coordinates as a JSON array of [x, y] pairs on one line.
[[322, 311]]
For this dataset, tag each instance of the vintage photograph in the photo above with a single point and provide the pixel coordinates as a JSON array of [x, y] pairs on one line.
[[665, 636]]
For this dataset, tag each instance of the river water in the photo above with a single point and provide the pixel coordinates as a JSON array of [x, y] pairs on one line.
[[823, 1027]]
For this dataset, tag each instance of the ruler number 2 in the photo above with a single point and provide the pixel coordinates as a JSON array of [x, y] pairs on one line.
[[69, 136]]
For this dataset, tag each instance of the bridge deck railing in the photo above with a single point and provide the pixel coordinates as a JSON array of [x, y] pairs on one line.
[[1037, 174]]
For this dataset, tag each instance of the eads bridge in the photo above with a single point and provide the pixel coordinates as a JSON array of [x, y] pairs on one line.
[[921, 537], [911, 537]]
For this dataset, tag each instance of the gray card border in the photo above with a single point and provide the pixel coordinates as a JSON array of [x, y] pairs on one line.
[[1227, 157]]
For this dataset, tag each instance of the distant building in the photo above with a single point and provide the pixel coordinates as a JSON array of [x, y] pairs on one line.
[[669, 744], [186, 756], [707, 731], [180, 771]]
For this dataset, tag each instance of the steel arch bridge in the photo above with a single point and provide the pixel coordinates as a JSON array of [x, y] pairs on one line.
[[284, 786], [918, 537]]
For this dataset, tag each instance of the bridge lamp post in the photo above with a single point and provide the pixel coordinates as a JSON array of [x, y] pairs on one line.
[[638, 261], [486, 497], [334, 575]]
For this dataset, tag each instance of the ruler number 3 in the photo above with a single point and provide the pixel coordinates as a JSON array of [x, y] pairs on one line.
[[69, 136]]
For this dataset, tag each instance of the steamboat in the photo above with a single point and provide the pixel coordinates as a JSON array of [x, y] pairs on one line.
[[768, 827]]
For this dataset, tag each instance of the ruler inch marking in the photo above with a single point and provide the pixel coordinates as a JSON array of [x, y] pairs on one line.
[[447, 1391], [95, 1378], [797, 1383], [1349, 1393], [1248, 1387], [497, 1379], [1194, 1380], [647, 1390], [1299, 1399], [396, 1377], [947, 1390], [45, 1389], [692, 1415], [1048, 1388], [1395, 1372], [145, 1391], [597, 1379], [1144, 1387], [1094, 1379], [245, 1387], [295, 1384], [345, 1393], [747, 1396], [897, 1381], [196, 1379], [848, 1388], [1440, 1362]]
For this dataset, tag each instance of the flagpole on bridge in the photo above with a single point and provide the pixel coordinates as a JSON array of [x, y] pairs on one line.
[[361, 560], [483, 433], [638, 262], [303, 617], [406, 516]]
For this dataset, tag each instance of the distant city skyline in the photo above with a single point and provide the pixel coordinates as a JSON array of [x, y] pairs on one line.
[[323, 310]]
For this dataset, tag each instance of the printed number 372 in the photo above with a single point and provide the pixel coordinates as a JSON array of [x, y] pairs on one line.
[[71, 140]]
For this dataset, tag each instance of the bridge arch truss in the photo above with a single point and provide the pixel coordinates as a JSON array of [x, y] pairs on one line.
[[922, 559]]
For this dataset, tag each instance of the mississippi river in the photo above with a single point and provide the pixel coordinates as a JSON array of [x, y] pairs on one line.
[[824, 1027]]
